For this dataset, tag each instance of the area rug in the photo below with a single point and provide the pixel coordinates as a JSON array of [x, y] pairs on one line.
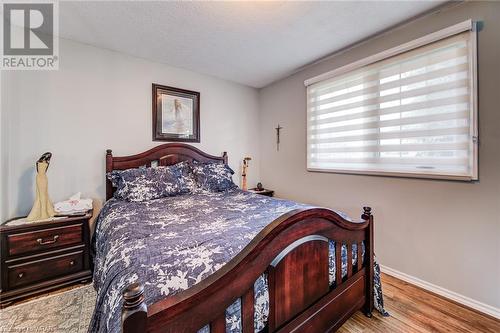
[[64, 312]]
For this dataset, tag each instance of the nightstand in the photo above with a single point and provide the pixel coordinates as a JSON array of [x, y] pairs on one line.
[[267, 193], [37, 257]]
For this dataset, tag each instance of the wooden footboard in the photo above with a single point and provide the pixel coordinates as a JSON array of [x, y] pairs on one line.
[[293, 252]]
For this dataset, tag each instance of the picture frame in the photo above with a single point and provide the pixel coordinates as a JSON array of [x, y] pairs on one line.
[[176, 114]]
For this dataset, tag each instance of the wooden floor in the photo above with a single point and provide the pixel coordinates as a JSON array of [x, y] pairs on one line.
[[415, 310]]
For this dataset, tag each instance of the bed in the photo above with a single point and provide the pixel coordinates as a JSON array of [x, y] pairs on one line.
[[230, 261]]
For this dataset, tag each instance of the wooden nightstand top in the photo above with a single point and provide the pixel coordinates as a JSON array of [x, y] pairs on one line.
[[265, 192], [11, 225]]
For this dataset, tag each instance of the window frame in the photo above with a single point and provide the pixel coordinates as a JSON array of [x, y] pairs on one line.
[[456, 29]]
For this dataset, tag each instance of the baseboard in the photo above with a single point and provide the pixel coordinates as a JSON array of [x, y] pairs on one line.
[[451, 295]]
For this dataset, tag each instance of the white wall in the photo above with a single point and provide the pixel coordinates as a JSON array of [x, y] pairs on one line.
[[444, 232], [100, 99], [3, 159]]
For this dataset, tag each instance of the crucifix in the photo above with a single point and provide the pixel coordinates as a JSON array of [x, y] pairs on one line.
[[278, 129]]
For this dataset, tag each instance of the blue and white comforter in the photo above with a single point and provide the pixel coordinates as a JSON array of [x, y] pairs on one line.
[[172, 243]]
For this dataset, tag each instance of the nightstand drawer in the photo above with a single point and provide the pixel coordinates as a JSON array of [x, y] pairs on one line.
[[44, 269], [34, 241]]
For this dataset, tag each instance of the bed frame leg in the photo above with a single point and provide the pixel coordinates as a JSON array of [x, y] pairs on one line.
[[367, 215], [134, 311]]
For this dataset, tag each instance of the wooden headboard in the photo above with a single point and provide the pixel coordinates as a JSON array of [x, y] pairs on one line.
[[166, 154]]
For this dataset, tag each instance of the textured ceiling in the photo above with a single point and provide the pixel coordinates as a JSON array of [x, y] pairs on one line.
[[253, 43]]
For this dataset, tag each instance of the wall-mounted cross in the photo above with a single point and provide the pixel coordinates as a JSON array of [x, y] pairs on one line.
[[278, 129]]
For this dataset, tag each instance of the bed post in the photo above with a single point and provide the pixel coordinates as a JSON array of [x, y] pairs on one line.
[[224, 156], [134, 310], [367, 215], [109, 168]]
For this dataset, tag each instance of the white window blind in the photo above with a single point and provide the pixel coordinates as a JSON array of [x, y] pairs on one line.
[[412, 114]]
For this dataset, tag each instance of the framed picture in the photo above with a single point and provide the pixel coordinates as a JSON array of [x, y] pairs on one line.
[[176, 114]]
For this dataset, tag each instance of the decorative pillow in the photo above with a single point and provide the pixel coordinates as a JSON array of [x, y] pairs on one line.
[[143, 184], [213, 177], [186, 180]]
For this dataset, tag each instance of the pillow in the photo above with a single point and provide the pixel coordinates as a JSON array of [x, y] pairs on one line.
[[213, 176], [186, 179], [142, 184]]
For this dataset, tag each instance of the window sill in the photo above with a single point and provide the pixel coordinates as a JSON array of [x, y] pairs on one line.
[[397, 174]]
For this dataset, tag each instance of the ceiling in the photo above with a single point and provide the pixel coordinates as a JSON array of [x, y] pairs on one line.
[[252, 43]]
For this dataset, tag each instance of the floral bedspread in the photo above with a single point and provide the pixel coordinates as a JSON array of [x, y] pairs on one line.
[[172, 243]]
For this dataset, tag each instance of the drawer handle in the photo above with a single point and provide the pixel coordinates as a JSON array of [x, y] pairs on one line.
[[72, 263], [52, 241], [20, 275]]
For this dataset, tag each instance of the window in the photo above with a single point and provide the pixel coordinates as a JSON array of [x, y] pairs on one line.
[[408, 111]]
